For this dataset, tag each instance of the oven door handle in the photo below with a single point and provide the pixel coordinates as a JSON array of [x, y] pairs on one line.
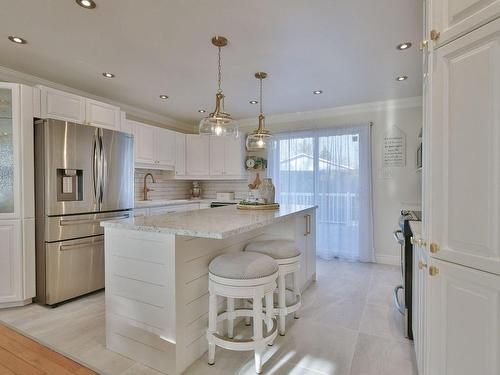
[[396, 234], [400, 308]]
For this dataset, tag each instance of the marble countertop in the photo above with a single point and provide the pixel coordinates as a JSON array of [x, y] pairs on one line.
[[416, 228], [217, 223]]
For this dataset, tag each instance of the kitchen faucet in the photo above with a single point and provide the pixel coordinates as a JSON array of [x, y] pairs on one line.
[[146, 189]]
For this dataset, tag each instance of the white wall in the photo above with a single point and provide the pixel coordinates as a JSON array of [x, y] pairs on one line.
[[403, 188]]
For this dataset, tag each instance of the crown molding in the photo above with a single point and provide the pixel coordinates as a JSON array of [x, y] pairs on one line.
[[412, 102], [11, 75]]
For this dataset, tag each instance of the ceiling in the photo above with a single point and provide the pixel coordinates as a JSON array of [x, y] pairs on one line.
[[344, 47]]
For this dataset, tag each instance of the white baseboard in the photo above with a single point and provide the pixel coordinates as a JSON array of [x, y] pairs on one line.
[[393, 260]]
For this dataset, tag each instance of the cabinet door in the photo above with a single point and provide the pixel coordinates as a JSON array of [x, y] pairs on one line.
[[453, 18], [11, 283], [102, 114], [145, 144], [419, 295], [197, 155], [62, 105], [311, 245], [217, 156], [165, 147], [464, 321], [9, 152], [233, 157], [462, 194], [180, 154]]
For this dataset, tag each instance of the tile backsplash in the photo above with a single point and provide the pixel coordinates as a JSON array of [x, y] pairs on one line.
[[165, 188], [209, 189]]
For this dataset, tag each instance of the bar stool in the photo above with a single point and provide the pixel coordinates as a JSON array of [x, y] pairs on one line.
[[247, 276], [286, 254]]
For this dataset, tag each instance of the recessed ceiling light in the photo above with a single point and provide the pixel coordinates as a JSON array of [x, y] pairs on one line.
[[18, 40], [253, 101], [403, 46], [401, 78], [317, 92], [108, 75], [163, 96], [87, 4], [201, 110]]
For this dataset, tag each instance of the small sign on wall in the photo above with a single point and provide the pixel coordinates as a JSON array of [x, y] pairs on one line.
[[394, 148]]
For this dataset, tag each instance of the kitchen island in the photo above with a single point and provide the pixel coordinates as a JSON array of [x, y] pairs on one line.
[[157, 275]]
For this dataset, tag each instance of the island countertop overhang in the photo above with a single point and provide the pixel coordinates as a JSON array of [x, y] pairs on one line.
[[215, 223]]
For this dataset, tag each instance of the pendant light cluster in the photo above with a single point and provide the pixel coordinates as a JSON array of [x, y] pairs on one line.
[[219, 122], [258, 139]]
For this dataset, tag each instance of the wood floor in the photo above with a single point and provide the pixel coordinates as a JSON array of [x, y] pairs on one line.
[[22, 356]]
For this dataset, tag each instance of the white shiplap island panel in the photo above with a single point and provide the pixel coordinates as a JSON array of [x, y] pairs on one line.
[[157, 275]]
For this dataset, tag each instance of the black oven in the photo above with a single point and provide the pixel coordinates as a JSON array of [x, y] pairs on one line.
[[403, 292]]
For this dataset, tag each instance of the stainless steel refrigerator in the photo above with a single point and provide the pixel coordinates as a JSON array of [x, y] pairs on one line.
[[83, 175]]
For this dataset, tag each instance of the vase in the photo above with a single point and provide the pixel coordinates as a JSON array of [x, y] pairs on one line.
[[267, 190]]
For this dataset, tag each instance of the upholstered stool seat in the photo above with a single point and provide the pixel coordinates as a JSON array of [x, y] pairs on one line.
[[246, 276], [242, 266], [286, 254], [277, 249]]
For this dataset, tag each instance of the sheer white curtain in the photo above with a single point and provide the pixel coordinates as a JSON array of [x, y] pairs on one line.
[[330, 168]]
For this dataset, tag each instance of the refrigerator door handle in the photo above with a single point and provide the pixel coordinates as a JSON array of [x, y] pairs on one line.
[[102, 164], [95, 167]]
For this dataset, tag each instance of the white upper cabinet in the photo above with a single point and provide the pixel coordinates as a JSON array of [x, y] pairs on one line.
[[226, 157], [165, 146], [463, 322], [61, 105], [145, 143], [65, 106], [154, 146], [217, 156], [180, 154], [102, 114], [234, 155], [462, 191], [197, 155], [453, 18]]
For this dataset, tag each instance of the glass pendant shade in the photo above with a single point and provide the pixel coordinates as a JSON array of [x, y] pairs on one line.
[[259, 139], [218, 123]]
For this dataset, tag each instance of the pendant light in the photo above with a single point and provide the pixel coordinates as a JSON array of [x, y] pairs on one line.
[[258, 139], [219, 123]]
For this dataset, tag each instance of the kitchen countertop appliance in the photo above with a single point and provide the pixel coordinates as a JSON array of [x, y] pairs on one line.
[[83, 176], [403, 237]]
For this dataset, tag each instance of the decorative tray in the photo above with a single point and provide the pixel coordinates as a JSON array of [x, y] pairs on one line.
[[273, 206]]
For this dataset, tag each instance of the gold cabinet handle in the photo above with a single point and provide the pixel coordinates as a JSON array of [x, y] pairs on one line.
[[434, 248], [433, 271], [305, 220], [435, 35], [422, 265], [423, 44]]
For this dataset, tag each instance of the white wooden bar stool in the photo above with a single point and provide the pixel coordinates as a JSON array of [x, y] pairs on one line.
[[287, 256], [247, 276]]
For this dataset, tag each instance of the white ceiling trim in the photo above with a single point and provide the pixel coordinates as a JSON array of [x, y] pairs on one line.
[[11, 75], [412, 102]]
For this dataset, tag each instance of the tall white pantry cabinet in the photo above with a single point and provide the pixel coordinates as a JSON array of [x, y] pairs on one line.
[[17, 204], [458, 260]]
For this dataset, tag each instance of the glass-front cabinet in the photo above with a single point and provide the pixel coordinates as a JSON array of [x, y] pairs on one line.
[[9, 143]]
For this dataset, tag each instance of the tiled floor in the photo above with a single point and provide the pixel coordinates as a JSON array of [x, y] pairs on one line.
[[348, 326]]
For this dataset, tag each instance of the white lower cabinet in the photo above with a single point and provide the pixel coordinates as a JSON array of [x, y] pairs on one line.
[[463, 321], [305, 240], [11, 268], [419, 305]]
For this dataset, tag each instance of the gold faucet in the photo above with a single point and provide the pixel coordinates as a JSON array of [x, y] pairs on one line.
[[146, 189]]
